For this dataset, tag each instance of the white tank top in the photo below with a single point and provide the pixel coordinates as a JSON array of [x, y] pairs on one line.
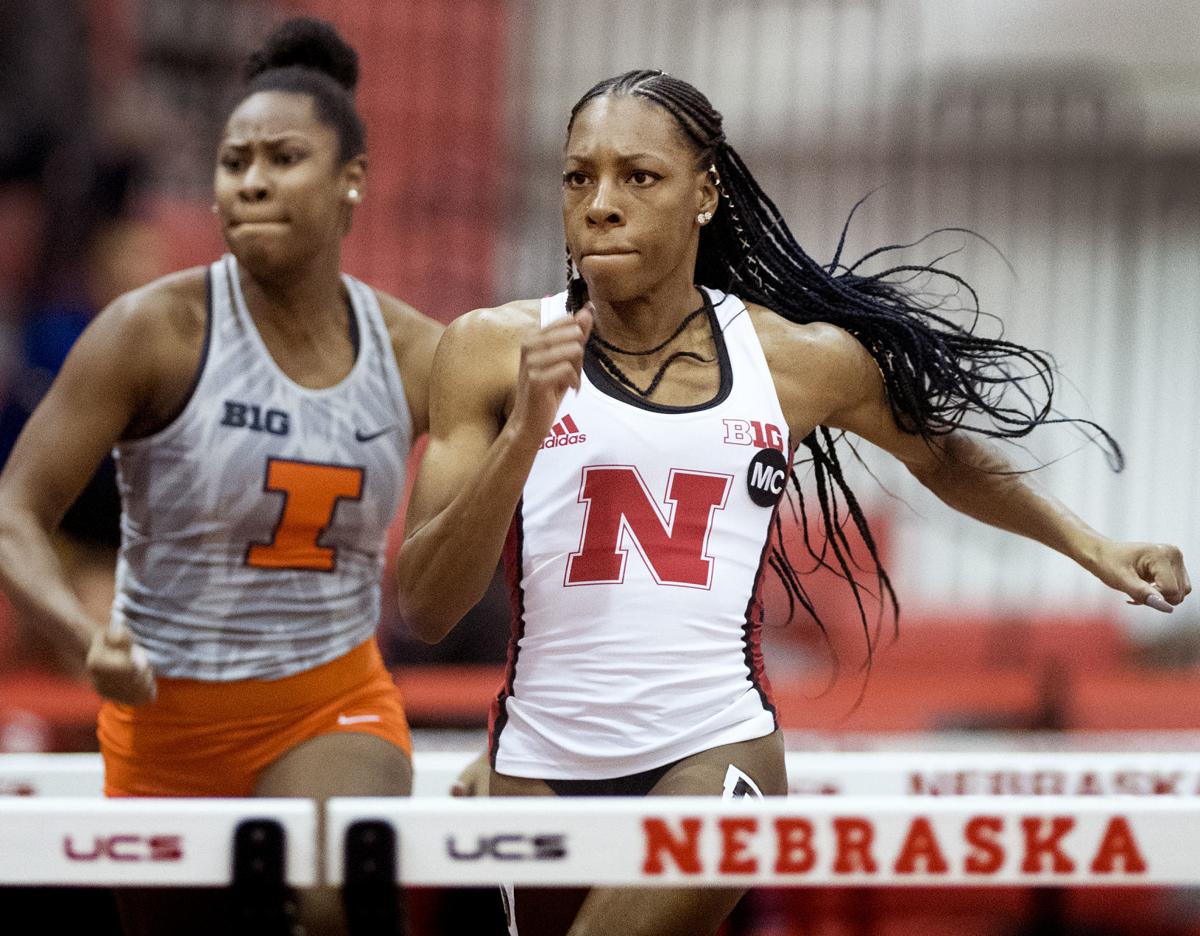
[[634, 561], [253, 526]]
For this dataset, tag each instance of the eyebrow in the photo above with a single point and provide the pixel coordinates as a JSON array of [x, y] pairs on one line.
[[630, 157], [235, 143]]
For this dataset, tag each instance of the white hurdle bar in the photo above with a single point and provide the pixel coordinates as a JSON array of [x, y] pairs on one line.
[[802, 841], [784, 841], [152, 842], [848, 773]]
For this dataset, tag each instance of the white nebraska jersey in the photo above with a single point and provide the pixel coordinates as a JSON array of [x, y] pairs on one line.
[[634, 561], [253, 526]]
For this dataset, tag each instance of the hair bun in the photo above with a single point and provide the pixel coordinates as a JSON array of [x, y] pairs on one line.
[[307, 43]]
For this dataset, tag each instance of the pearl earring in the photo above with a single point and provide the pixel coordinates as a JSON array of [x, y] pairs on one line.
[[703, 218], [353, 195]]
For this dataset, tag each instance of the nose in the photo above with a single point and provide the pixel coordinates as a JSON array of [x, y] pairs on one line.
[[254, 185], [603, 210]]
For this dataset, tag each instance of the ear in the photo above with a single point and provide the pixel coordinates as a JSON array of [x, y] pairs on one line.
[[354, 180], [708, 197]]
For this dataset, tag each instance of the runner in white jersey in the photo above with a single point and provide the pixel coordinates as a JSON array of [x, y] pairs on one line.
[[633, 508], [261, 410], [614, 450]]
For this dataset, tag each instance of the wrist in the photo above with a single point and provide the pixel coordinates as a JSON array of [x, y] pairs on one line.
[[519, 436], [1086, 549]]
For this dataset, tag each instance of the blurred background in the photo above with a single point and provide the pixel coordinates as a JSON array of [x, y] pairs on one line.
[[1065, 132]]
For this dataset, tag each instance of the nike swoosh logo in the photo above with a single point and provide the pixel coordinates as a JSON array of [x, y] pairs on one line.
[[357, 719], [360, 436]]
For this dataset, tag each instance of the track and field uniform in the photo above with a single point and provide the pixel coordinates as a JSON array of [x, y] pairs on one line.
[[253, 533], [635, 560]]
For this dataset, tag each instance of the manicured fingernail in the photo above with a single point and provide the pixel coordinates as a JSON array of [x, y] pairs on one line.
[[1158, 603]]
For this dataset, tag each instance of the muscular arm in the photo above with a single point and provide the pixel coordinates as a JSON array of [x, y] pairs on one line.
[[109, 385], [845, 390], [89, 406], [497, 382]]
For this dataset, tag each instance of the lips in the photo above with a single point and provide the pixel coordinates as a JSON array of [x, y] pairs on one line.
[[244, 222]]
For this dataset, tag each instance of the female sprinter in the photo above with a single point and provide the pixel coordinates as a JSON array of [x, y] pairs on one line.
[[261, 411], [625, 445]]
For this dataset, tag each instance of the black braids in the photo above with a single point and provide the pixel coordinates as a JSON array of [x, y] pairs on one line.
[[615, 371], [687, 320], [937, 373], [598, 347], [824, 498], [793, 586]]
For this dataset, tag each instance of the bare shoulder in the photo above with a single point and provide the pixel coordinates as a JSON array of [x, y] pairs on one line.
[[479, 358], [817, 348], [154, 330], [496, 329], [406, 326], [818, 368], [173, 307]]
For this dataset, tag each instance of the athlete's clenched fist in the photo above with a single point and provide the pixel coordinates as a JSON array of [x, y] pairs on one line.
[[118, 667], [551, 361]]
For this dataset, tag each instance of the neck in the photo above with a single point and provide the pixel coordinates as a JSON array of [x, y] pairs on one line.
[[305, 299], [645, 321]]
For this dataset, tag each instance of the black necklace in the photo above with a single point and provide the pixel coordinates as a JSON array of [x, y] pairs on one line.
[[599, 347]]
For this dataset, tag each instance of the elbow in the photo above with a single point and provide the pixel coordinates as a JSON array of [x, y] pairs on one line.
[[434, 592], [424, 608], [426, 627]]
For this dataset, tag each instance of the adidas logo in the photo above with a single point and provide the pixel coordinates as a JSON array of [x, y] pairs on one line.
[[563, 432]]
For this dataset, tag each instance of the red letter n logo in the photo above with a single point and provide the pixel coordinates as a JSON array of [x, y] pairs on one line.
[[621, 511]]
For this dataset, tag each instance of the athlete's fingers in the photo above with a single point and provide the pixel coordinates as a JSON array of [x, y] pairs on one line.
[[570, 331], [141, 662], [539, 359], [574, 329], [117, 635], [1140, 591], [119, 668], [547, 357], [585, 318], [473, 780], [1158, 603], [1165, 569], [562, 376]]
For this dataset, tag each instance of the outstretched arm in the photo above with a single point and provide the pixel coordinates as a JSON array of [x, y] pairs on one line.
[[497, 384], [973, 476]]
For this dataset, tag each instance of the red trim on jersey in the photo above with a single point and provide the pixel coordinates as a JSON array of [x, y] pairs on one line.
[[498, 715], [752, 632]]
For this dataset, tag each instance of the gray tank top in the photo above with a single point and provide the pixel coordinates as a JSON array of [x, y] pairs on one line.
[[253, 526]]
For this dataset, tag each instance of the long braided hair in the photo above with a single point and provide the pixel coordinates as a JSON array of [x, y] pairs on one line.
[[940, 376]]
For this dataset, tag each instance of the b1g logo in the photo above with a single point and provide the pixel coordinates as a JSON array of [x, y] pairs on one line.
[[253, 417], [124, 848], [752, 432], [766, 477], [508, 847]]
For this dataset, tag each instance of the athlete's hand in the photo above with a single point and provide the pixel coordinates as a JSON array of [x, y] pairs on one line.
[[551, 361], [118, 667], [473, 781], [1151, 574]]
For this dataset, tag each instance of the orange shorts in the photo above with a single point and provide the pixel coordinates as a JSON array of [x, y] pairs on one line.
[[201, 738]]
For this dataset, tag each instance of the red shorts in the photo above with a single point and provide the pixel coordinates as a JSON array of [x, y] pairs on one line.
[[202, 738]]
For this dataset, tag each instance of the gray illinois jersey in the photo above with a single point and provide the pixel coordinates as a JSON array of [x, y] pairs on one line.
[[254, 525]]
